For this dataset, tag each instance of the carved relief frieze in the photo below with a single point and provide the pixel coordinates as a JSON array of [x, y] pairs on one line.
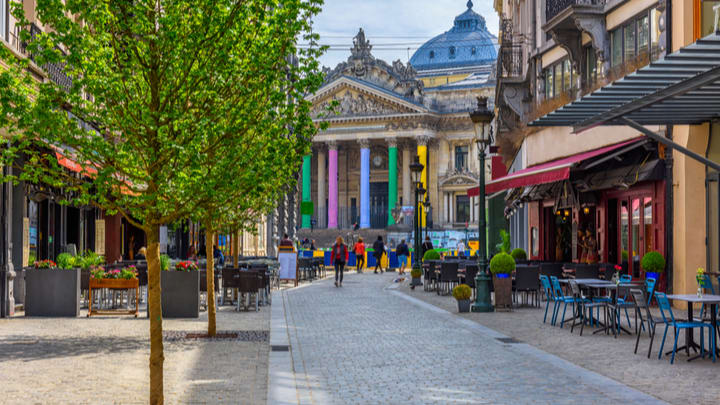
[[357, 105]]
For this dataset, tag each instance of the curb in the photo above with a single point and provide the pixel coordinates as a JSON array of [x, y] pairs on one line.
[[282, 387]]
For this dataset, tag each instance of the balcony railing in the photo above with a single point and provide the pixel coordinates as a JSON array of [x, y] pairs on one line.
[[555, 7], [54, 71], [511, 61]]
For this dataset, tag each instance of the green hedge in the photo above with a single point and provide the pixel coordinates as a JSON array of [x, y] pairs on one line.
[[653, 262], [518, 254], [502, 263], [431, 254]]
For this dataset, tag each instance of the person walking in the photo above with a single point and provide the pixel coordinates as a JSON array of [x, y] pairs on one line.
[[402, 252], [339, 256], [359, 250], [379, 249]]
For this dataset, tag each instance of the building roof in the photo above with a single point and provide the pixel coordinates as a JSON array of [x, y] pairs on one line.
[[468, 43]]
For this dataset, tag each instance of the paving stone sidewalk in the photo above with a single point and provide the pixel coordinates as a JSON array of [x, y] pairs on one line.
[[104, 360], [366, 344]]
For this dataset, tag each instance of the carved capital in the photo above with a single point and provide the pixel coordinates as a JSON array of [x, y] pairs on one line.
[[392, 142], [332, 145], [364, 143], [422, 140]]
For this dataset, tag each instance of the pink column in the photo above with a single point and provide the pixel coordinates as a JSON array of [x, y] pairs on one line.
[[332, 185]]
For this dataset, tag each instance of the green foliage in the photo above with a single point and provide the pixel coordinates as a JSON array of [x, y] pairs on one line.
[[462, 292], [431, 254], [625, 256], [653, 262], [504, 245], [66, 261], [89, 259], [416, 272], [31, 259], [518, 254], [502, 263], [164, 262]]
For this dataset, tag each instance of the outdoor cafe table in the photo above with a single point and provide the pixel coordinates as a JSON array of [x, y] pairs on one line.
[[713, 301], [598, 284]]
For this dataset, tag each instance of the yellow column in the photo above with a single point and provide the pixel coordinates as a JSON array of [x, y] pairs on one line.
[[422, 153]]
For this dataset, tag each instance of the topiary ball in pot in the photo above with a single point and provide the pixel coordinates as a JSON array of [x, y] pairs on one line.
[[518, 254], [431, 254], [502, 265], [462, 292], [653, 263], [416, 274]]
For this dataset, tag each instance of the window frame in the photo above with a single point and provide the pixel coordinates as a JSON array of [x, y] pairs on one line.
[[619, 32], [562, 64]]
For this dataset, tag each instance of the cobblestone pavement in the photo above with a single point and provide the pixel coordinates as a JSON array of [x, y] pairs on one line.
[[104, 360], [364, 343], [683, 382]]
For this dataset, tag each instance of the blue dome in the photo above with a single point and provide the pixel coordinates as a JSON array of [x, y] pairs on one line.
[[468, 43]]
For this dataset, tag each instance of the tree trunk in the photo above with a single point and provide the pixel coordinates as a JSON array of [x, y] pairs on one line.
[[157, 357], [212, 327]]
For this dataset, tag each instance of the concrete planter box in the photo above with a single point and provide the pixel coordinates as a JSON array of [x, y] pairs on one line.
[[180, 294], [503, 292], [52, 292]]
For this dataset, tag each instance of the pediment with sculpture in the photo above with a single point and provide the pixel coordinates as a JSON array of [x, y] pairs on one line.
[[348, 103], [457, 179]]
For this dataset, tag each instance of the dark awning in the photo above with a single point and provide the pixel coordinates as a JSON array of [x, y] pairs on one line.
[[682, 88]]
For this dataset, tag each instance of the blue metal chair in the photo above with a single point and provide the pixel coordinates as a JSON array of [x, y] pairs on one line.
[[669, 319], [650, 284], [549, 295], [706, 284], [560, 297]]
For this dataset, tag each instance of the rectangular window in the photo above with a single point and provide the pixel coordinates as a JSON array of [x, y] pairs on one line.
[[4, 19], [591, 68], [643, 35], [567, 76], [462, 209], [549, 83], [655, 33], [461, 155], [558, 79], [630, 37], [707, 16], [617, 47]]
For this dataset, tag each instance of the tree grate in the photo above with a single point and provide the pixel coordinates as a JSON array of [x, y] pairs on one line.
[[508, 340], [232, 335]]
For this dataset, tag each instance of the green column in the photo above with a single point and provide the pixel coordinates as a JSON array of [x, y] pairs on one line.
[[306, 187], [392, 180]]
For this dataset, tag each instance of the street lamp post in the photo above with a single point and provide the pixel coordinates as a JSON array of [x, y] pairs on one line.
[[416, 169], [482, 118]]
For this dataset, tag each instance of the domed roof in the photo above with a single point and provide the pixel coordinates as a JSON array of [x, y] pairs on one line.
[[468, 43]]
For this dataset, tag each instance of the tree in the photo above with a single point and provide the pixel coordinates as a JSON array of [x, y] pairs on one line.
[[154, 91]]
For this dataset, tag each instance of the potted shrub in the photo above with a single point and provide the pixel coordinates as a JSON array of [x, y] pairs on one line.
[[462, 294], [416, 274], [653, 263], [181, 290], [52, 291], [519, 255], [118, 279], [431, 254], [501, 266]]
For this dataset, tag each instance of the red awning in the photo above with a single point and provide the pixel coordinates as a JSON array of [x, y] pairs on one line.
[[550, 172], [72, 165]]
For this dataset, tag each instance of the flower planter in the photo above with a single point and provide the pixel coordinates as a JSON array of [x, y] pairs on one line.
[[654, 275], [52, 292], [416, 281], [503, 291], [180, 294], [463, 305]]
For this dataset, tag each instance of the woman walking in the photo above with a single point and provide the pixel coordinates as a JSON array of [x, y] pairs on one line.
[[379, 249], [402, 252], [339, 257], [359, 250]]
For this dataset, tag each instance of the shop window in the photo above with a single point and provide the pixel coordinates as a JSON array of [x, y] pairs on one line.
[[462, 209], [713, 221], [636, 237], [648, 224], [624, 233], [461, 155], [707, 17], [534, 241]]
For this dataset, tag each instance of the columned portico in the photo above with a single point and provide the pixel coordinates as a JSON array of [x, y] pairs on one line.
[[422, 142], [406, 187], [364, 183], [306, 187], [332, 185]]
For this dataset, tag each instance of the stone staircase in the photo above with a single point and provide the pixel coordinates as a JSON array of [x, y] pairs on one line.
[[325, 238]]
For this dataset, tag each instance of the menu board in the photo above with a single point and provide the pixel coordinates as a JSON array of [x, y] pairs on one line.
[[288, 266], [100, 236], [26, 242]]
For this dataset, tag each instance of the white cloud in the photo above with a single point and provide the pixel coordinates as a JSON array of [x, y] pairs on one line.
[[391, 22]]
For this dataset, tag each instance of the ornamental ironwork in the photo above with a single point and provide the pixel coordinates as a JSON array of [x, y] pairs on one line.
[[54, 71], [555, 7]]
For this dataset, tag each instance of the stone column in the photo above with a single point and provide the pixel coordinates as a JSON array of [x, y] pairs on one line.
[[321, 188], [364, 183], [392, 179], [406, 181], [422, 152], [306, 187], [332, 185]]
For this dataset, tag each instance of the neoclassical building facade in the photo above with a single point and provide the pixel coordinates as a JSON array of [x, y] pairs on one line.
[[382, 115]]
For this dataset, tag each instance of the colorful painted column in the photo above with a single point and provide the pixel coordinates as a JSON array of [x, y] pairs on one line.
[[307, 172], [422, 142], [320, 208], [332, 185], [364, 183], [392, 179]]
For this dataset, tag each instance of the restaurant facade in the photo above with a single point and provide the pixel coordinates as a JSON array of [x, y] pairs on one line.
[[597, 133]]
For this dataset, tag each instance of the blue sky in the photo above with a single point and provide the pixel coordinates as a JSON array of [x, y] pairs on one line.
[[392, 26]]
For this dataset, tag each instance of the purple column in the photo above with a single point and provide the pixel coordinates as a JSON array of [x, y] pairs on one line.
[[332, 185], [364, 183]]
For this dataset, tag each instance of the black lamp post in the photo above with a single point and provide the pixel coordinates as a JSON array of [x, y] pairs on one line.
[[427, 207], [416, 169], [482, 119]]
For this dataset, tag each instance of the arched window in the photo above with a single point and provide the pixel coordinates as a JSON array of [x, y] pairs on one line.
[[432, 54], [452, 52], [473, 51]]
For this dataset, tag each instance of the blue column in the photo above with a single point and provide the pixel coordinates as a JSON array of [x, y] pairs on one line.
[[364, 183]]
